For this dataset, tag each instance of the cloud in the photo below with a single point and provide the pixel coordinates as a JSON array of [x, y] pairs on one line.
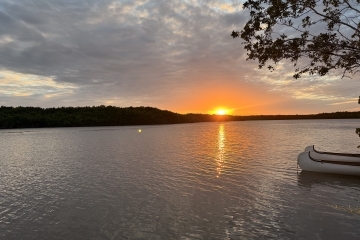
[[143, 52], [17, 84]]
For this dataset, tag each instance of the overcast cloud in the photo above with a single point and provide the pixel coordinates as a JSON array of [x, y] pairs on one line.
[[159, 53]]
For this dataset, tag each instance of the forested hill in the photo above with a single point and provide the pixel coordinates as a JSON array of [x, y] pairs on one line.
[[34, 117]]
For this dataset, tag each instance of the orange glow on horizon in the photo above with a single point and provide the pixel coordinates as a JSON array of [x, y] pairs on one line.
[[228, 98]]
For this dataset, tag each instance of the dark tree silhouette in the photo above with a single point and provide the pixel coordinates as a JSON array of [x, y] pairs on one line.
[[326, 34], [34, 117]]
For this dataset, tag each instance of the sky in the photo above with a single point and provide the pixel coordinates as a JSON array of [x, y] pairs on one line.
[[176, 55]]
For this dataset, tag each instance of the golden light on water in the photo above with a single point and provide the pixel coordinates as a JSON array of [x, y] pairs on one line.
[[221, 150]]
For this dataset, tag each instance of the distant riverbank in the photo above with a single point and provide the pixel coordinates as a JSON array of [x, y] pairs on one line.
[[35, 117]]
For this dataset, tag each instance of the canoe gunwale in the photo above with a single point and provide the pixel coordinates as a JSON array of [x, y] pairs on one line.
[[334, 162], [337, 154]]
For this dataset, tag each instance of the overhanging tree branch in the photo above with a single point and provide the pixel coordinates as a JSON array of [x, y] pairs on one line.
[[335, 46]]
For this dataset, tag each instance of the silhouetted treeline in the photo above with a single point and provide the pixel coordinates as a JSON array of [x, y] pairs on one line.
[[35, 117], [334, 115]]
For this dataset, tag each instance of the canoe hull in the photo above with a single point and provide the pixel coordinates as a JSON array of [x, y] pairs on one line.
[[307, 164]]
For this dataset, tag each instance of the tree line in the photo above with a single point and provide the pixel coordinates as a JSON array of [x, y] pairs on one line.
[[36, 117]]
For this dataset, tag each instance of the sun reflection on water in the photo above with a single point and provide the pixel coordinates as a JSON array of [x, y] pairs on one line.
[[221, 150]]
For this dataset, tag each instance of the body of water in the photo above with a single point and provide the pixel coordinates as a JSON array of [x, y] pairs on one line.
[[225, 180]]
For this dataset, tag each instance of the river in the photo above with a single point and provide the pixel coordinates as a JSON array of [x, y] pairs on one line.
[[222, 180]]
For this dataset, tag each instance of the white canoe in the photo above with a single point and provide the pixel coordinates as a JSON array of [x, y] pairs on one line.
[[329, 163], [332, 156]]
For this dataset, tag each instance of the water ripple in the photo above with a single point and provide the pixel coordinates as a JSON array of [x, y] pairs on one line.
[[234, 180]]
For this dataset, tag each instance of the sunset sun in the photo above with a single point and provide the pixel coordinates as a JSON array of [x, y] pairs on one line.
[[221, 111]]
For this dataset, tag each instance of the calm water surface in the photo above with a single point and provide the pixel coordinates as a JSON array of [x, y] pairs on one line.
[[233, 180]]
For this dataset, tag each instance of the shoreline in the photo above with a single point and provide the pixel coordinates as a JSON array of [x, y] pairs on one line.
[[107, 116]]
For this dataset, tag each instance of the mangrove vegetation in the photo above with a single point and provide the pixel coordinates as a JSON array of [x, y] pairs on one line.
[[36, 117]]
